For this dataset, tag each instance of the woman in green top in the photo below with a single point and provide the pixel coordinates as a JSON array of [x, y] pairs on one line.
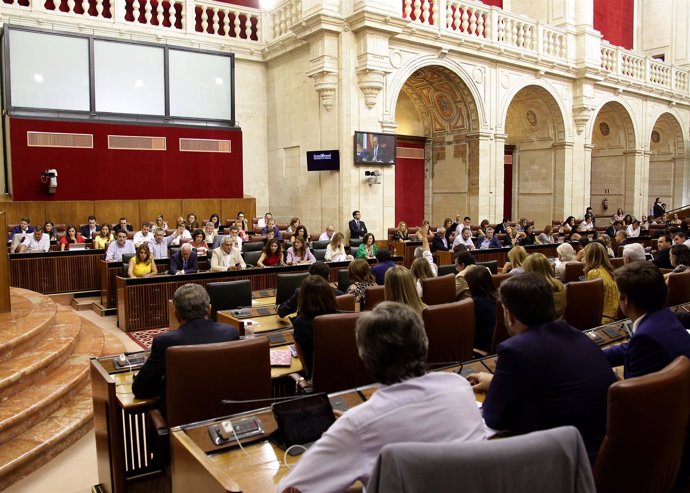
[[368, 248]]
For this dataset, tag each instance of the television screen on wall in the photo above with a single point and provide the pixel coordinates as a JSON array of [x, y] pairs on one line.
[[373, 147], [323, 160]]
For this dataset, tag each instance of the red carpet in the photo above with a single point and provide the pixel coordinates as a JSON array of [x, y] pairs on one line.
[[145, 337]]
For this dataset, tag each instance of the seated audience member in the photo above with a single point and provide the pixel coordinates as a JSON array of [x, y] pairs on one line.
[[90, 229], [587, 224], [513, 237], [566, 254], [481, 230], [71, 236], [34, 242], [234, 235], [199, 242], [119, 247], [142, 264], [618, 216], [186, 261], [292, 227], [192, 311], [662, 258], [458, 225], [676, 221], [530, 237], [361, 278], [192, 223], [263, 221], [316, 297], [209, 233], [598, 266], [383, 257], [440, 242], [621, 239], [160, 243], [272, 254], [411, 405], [401, 233], [227, 257], [605, 240], [548, 374], [581, 244], [291, 304], [245, 223], [633, 229], [49, 230], [546, 236], [335, 250], [160, 222], [489, 240], [502, 226], [423, 251], [368, 248], [122, 225], [627, 220], [271, 225], [421, 270], [357, 227], [614, 228], [465, 238], [463, 262], [241, 232], [658, 337], [568, 225], [633, 252], [540, 265], [680, 238], [181, 233], [299, 253], [24, 228], [644, 225], [328, 234], [680, 258], [521, 225], [484, 296], [400, 286], [104, 237], [214, 219], [270, 235], [516, 256], [300, 232], [143, 236]]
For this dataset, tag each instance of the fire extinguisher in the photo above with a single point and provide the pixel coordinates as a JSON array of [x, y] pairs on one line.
[[605, 204]]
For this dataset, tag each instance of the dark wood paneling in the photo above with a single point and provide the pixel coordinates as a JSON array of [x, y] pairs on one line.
[[56, 272]]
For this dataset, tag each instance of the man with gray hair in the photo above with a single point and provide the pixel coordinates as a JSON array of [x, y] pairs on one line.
[[185, 261], [227, 257], [633, 252], [411, 406], [192, 310]]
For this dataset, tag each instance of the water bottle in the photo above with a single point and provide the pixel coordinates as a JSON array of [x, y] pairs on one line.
[[248, 330]]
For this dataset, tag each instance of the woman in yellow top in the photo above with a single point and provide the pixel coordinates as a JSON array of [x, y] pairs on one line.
[[598, 266], [102, 239], [539, 264], [142, 264]]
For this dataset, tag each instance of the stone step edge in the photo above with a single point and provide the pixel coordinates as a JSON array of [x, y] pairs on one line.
[[27, 337]]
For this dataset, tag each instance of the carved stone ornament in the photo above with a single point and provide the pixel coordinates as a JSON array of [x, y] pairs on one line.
[[325, 84], [656, 137], [371, 84]]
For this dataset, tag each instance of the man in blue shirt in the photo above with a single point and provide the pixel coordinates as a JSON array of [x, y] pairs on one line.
[[384, 263]]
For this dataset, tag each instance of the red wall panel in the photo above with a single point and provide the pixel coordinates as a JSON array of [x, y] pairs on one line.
[[103, 174], [409, 188], [615, 20], [495, 3]]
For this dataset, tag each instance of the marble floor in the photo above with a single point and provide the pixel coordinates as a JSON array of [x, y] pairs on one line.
[[75, 469]]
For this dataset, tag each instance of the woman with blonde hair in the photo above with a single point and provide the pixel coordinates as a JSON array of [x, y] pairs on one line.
[[539, 264], [598, 266], [361, 278], [401, 233], [335, 250], [142, 264], [399, 286], [421, 269], [516, 256]]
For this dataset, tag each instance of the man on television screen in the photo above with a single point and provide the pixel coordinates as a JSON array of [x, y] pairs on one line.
[[379, 152]]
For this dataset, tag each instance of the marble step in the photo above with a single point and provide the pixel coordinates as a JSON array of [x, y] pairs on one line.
[[31, 317], [43, 357], [40, 443], [84, 304], [25, 409]]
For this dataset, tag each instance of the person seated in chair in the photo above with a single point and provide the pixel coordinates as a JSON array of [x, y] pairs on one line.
[[489, 240], [192, 311], [122, 225], [440, 241], [289, 306], [34, 242], [185, 261], [383, 256], [548, 374], [227, 257], [24, 228], [90, 229], [119, 247], [658, 337], [411, 406]]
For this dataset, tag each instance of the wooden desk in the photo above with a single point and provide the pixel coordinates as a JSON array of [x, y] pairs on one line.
[[56, 272], [498, 254]]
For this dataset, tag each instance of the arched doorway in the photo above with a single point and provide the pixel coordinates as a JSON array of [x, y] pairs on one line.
[[613, 160], [535, 136], [666, 162], [436, 104]]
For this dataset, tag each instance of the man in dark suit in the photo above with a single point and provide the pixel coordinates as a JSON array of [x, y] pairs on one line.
[[383, 257], [90, 229], [548, 374], [663, 257], [24, 227], [658, 337], [122, 226], [357, 228], [440, 242], [289, 306], [185, 261], [192, 310]]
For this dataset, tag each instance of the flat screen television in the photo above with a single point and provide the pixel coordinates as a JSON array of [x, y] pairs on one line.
[[323, 160], [373, 147]]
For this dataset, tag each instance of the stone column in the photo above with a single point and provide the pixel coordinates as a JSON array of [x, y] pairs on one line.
[[482, 185], [498, 182], [636, 172], [563, 180]]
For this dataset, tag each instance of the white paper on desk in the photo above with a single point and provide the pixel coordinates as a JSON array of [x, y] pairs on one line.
[[253, 322]]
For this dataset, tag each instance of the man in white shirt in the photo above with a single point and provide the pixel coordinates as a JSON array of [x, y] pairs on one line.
[[144, 235], [119, 247], [424, 251], [465, 238], [234, 235], [35, 242], [227, 257], [181, 233], [411, 406], [262, 222], [328, 234], [160, 244]]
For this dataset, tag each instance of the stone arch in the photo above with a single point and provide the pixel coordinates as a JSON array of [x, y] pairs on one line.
[[625, 112], [666, 177], [535, 136]]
